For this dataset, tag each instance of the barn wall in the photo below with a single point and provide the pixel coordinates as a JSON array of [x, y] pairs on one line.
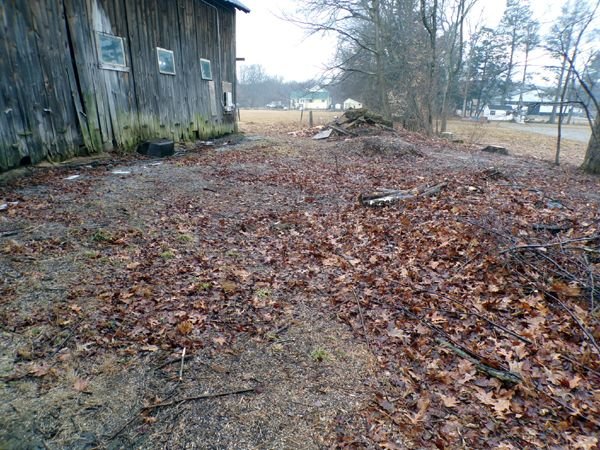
[[55, 101], [39, 106]]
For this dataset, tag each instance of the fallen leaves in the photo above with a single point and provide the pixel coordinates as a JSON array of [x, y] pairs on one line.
[[81, 385], [286, 231], [186, 327], [449, 401]]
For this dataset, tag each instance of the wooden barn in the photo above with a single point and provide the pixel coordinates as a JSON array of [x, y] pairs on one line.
[[82, 76]]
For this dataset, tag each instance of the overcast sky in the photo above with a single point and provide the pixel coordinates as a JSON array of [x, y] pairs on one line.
[[283, 49]]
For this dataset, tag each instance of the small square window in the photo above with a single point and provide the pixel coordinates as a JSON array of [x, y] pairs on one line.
[[166, 61], [111, 52], [206, 69]]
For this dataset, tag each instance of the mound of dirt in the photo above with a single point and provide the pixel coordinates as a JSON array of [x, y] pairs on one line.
[[390, 146]]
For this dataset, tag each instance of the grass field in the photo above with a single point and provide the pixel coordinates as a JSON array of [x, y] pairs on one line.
[[264, 121], [519, 141], [517, 138]]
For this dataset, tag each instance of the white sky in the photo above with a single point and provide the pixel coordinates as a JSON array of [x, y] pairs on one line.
[[283, 49]]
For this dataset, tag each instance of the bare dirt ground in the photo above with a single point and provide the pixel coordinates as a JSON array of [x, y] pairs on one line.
[[308, 320]]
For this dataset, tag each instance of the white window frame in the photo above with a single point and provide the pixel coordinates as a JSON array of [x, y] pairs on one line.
[[202, 74], [106, 65], [160, 50]]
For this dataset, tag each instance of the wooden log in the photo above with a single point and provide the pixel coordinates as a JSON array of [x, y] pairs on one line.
[[387, 197], [502, 375], [341, 130]]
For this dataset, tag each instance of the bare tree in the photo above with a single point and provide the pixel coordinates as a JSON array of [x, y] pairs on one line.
[[406, 53], [565, 42], [519, 27]]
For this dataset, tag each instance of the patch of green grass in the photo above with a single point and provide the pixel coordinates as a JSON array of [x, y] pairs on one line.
[[167, 254], [185, 238], [204, 286], [102, 236], [319, 355], [263, 293]]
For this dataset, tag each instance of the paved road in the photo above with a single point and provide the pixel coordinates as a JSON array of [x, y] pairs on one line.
[[579, 133]]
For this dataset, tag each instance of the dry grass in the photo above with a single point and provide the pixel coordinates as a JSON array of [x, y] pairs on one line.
[[274, 121], [518, 141], [516, 138]]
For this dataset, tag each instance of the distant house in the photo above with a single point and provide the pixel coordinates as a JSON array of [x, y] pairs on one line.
[[315, 98], [82, 76], [543, 110], [350, 103], [498, 112]]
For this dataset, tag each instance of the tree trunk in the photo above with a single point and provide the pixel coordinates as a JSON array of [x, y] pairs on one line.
[[523, 81], [379, 61], [465, 94], [513, 45], [557, 96], [444, 124], [561, 110], [591, 164]]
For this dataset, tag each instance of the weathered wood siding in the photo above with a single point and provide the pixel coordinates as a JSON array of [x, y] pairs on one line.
[[56, 102], [38, 113]]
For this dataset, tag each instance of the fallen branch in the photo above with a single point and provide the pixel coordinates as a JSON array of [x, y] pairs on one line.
[[585, 331], [502, 375], [551, 244], [387, 197], [566, 407], [198, 397], [9, 233], [178, 402], [552, 228], [447, 341], [173, 361], [577, 363], [362, 319], [481, 316]]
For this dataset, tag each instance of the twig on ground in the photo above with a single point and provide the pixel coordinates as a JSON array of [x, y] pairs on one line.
[[9, 233], [502, 375], [178, 402], [362, 319], [585, 331], [199, 397], [536, 283], [65, 340], [173, 361], [551, 244], [592, 284], [482, 317], [565, 406], [577, 363]]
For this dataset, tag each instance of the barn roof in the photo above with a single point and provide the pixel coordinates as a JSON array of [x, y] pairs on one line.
[[239, 5]]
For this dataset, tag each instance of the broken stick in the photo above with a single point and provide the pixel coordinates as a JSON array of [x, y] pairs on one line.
[[179, 402], [387, 197], [502, 375]]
